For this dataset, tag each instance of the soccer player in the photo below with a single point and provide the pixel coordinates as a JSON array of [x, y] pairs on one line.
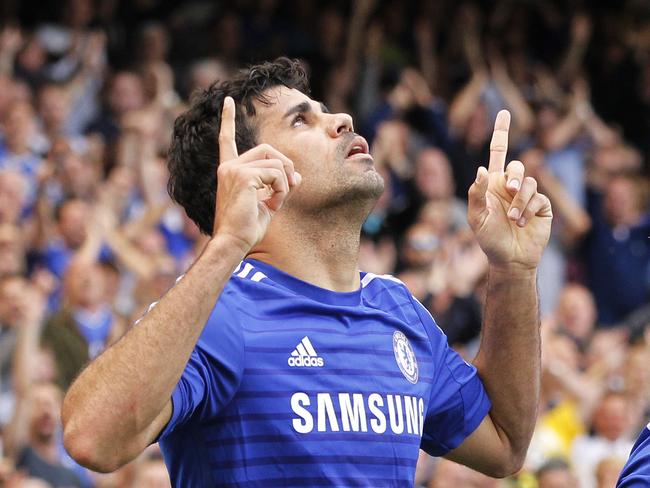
[[273, 361], [636, 471]]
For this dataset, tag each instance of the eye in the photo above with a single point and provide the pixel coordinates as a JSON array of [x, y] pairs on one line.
[[298, 120]]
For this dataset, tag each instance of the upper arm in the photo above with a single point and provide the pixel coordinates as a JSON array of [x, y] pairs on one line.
[[458, 402], [211, 376], [457, 423]]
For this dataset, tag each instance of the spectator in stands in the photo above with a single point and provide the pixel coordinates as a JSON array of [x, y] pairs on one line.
[[72, 219], [15, 150], [125, 94], [448, 474], [38, 450], [617, 249], [576, 314], [152, 473], [13, 197], [85, 324], [611, 424], [556, 473]]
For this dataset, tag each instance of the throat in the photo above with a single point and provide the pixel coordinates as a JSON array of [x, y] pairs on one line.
[[319, 253]]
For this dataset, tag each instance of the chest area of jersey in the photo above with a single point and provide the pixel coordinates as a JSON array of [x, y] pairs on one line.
[[328, 376]]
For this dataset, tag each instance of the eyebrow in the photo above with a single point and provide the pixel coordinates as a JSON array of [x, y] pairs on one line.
[[304, 107]]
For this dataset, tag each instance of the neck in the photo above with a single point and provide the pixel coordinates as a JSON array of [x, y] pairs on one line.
[[322, 250], [628, 220]]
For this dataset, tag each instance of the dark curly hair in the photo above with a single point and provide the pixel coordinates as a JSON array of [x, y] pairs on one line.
[[194, 150]]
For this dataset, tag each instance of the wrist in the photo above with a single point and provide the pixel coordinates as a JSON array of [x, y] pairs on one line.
[[227, 246], [512, 271]]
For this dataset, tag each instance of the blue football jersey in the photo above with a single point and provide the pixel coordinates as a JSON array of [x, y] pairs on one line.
[[295, 385], [636, 472]]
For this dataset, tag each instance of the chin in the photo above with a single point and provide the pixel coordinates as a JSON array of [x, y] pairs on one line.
[[364, 188], [372, 181], [354, 189]]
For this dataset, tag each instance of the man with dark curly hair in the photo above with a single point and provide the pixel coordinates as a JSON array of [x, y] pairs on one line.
[[274, 361]]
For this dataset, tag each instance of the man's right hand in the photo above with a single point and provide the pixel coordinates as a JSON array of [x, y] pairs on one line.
[[121, 402], [250, 187]]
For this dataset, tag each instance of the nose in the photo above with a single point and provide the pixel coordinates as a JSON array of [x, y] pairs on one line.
[[339, 124]]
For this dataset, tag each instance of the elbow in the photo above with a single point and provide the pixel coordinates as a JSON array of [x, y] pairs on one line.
[[508, 466], [83, 446]]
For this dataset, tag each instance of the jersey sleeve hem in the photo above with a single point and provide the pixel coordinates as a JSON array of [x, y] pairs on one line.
[[482, 409], [176, 400]]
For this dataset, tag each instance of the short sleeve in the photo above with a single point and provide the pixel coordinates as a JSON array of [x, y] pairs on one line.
[[458, 401], [212, 374]]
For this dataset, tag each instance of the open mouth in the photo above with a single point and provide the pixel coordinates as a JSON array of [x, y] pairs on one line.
[[357, 147]]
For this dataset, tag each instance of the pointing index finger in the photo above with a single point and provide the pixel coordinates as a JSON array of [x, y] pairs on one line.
[[227, 145], [499, 142]]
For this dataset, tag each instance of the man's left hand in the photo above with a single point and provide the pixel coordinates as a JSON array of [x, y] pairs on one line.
[[511, 220]]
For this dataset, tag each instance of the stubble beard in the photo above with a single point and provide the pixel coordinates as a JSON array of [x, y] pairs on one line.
[[350, 192]]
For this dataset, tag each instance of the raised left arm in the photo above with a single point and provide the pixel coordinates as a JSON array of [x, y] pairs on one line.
[[512, 224]]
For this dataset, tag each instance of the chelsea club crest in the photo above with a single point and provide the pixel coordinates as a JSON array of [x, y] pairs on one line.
[[405, 357]]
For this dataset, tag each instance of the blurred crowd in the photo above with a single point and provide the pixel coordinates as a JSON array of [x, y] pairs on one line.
[[89, 91]]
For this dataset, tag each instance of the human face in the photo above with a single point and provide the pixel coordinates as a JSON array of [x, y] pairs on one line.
[[53, 107], [611, 417], [126, 93], [335, 164], [11, 291], [576, 311], [18, 125], [433, 175], [557, 478], [13, 195], [45, 407], [622, 202], [85, 286], [72, 223]]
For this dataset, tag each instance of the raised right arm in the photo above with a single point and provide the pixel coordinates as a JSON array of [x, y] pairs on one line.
[[121, 401]]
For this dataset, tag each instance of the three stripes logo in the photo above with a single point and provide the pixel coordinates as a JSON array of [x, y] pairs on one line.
[[305, 355]]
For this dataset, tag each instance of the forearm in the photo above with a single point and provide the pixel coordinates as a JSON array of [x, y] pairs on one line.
[[150, 218], [600, 132], [16, 432], [24, 358], [576, 221], [129, 255], [123, 391], [508, 361], [465, 102], [563, 132], [572, 61], [523, 115]]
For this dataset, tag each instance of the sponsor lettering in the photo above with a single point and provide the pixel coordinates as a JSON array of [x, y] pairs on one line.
[[356, 412]]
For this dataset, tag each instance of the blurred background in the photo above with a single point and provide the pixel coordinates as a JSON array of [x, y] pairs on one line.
[[88, 236]]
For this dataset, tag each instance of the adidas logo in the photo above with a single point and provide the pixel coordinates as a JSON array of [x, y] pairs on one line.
[[305, 355]]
